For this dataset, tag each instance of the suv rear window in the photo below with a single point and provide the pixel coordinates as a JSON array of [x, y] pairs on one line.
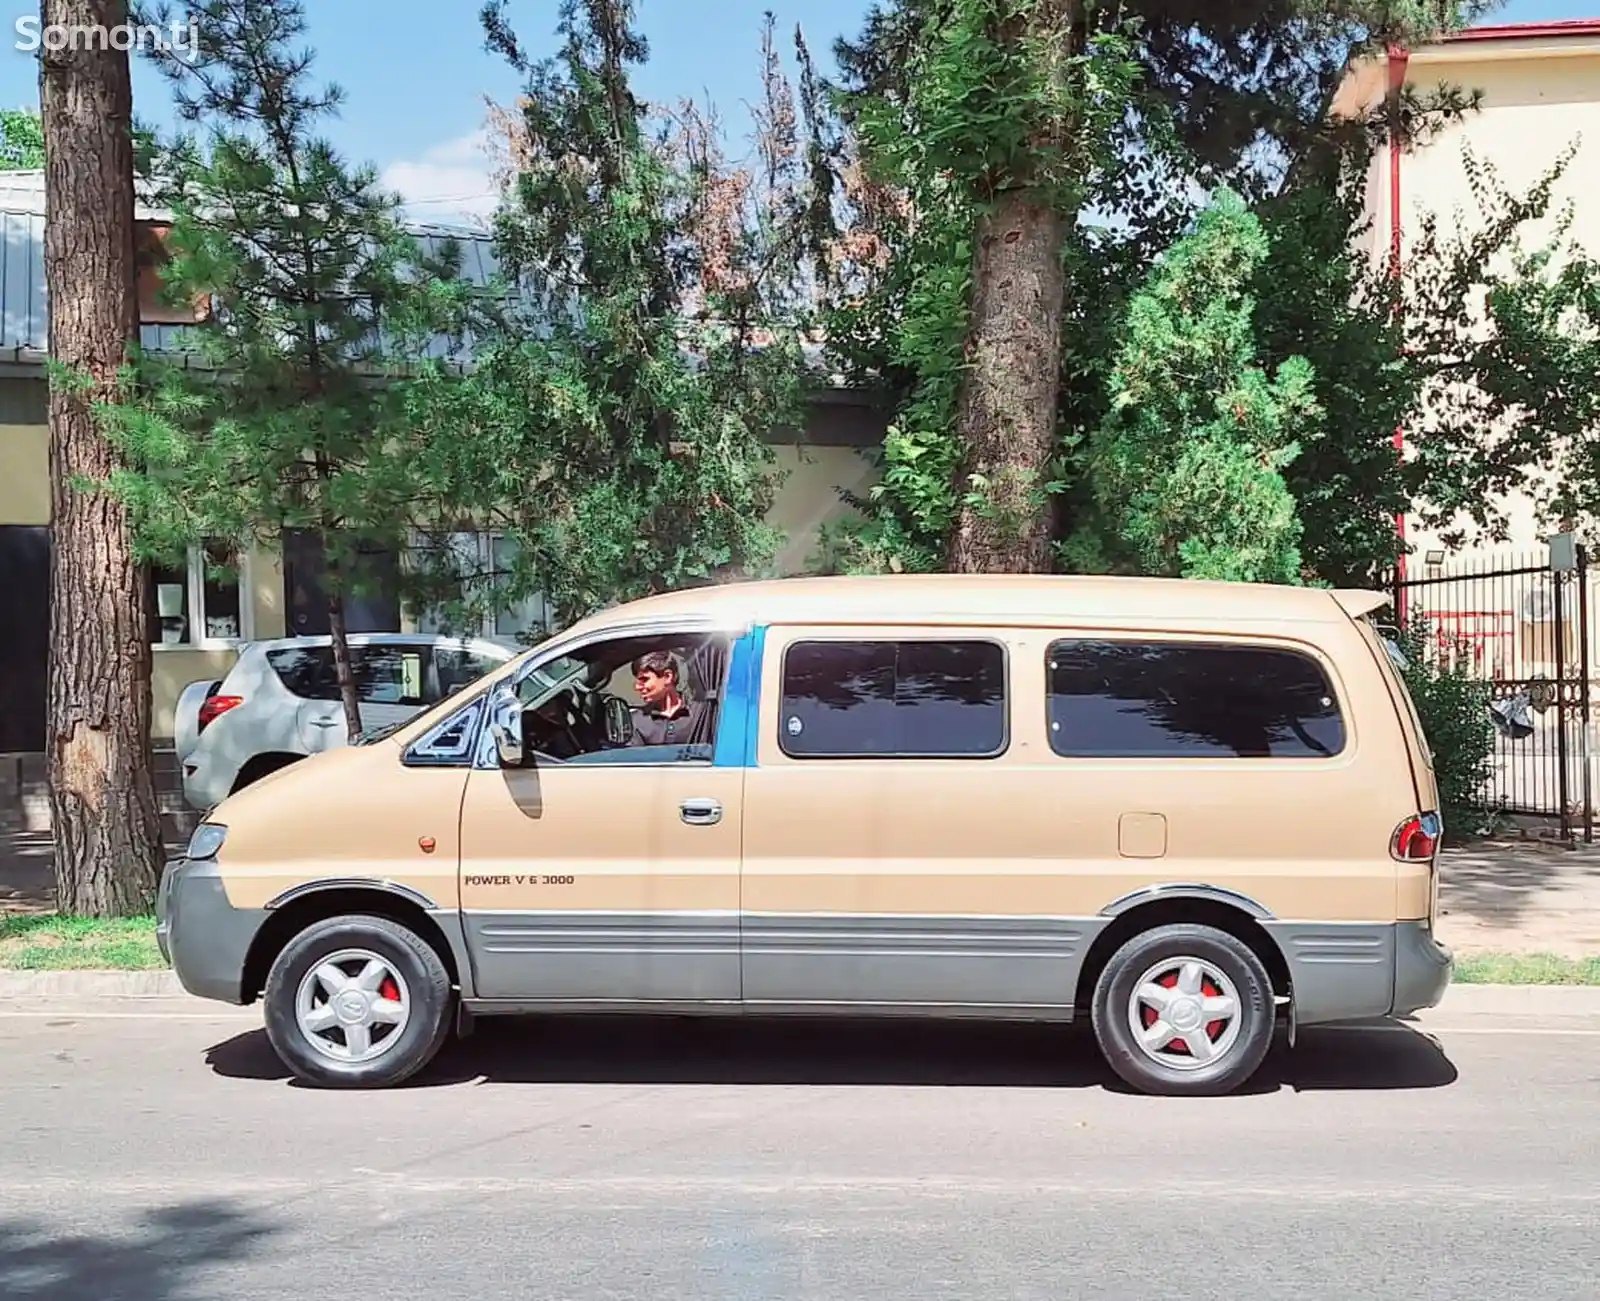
[[384, 675], [1189, 700]]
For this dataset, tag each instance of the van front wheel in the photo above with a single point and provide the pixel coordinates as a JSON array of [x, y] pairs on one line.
[[357, 1002], [1184, 1010]]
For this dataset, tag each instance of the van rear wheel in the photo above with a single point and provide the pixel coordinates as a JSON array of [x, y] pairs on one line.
[[1184, 1010], [357, 1002]]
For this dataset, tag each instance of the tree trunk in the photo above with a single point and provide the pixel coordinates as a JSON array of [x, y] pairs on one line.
[[341, 655], [102, 796], [1006, 416]]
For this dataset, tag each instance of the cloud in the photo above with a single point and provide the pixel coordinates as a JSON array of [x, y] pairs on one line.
[[448, 183]]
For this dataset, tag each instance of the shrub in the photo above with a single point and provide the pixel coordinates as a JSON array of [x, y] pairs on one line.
[[1454, 708]]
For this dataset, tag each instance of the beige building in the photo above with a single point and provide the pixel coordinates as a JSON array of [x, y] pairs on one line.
[[197, 620], [1512, 611], [1540, 84]]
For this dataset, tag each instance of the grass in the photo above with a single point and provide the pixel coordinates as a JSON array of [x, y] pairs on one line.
[[1525, 969], [50, 942]]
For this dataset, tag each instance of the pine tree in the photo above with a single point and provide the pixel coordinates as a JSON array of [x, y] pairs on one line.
[[655, 339], [294, 411], [102, 795], [1188, 467]]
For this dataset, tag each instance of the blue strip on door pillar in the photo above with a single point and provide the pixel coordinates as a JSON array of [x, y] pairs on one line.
[[741, 703]]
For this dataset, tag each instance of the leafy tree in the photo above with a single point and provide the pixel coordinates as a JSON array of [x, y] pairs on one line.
[[1188, 467], [1477, 352], [1159, 105], [1480, 407], [629, 387], [294, 411], [21, 140]]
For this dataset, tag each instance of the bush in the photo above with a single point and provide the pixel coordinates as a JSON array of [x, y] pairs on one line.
[[1454, 709]]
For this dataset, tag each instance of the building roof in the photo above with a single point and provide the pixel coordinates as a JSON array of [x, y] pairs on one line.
[[1365, 81], [992, 598], [24, 305], [1561, 29], [24, 301]]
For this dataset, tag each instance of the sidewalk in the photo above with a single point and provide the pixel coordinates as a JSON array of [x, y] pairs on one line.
[[1496, 897], [1521, 897]]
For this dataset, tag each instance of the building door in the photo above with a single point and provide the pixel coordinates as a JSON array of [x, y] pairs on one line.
[[24, 635]]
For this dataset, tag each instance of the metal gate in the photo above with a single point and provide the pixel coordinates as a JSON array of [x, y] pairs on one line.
[[1522, 627]]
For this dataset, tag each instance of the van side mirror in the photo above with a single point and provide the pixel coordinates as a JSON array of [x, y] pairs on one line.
[[505, 726]]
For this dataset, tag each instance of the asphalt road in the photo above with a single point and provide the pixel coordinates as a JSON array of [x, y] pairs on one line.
[[153, 1158]]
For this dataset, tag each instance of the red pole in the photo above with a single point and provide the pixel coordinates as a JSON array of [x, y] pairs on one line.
[[1398, 56]]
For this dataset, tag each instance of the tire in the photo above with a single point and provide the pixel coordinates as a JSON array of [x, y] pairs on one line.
[[407, 1015], [1237, 1046]]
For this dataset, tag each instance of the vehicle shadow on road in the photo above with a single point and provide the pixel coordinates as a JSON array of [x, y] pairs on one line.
[[752, 1051], [157, 1260]]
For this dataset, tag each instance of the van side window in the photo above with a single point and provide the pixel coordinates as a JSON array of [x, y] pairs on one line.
[[1173, 700], [905, 699]]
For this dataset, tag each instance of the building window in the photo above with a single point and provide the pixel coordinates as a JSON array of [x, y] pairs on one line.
[[484, 555], [1182, 700], [202, 603], [893, 699]]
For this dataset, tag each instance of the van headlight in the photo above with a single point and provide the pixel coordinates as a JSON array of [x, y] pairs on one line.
[[207, 840]]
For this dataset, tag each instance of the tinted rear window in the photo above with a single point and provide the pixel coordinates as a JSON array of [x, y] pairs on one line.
[[384, 675], [862, 699], [1166, 700]]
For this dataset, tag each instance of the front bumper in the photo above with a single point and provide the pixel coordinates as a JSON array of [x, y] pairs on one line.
[[205, 938]]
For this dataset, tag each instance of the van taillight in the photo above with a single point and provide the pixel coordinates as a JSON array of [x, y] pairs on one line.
[[214, 708], [1417, 839]]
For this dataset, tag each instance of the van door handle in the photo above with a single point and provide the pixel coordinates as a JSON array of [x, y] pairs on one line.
[[324, 722], [700, 813]]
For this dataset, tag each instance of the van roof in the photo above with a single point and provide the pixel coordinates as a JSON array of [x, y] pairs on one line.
[[977, 598]]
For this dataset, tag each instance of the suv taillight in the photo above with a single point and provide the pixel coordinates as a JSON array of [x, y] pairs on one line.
[[213, 709], [1416, 840]]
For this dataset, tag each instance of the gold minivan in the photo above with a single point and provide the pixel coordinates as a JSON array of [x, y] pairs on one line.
[[1186, 809]]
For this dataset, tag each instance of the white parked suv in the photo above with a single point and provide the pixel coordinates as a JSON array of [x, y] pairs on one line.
[[280, 702]]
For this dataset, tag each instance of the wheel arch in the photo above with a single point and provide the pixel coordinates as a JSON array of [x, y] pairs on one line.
[[263, 764], [1199, 905], [293, 911]]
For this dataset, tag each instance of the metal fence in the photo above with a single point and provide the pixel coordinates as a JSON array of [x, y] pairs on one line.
[[1522, 626]]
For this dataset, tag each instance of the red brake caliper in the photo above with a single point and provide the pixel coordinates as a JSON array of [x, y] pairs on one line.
[[389, 989]]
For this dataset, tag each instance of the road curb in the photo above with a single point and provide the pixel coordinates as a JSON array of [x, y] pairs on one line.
[[1488, 1000], [90, 984]]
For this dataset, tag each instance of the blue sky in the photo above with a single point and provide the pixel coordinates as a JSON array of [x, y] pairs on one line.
[[416, 80]]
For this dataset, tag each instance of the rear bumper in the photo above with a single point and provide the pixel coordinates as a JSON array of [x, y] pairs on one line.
[[1346, 971], [203, 936], [1422, 968], [204, 786]]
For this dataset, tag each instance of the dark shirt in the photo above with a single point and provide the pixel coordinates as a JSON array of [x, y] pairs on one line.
[[651, 727]]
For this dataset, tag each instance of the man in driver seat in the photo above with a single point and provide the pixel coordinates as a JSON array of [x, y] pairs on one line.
[[665, 718]]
